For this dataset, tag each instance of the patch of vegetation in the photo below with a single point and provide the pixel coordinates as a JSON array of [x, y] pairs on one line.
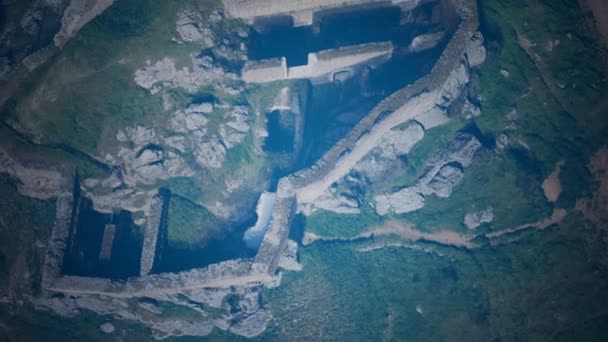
[[185, 187], [329, 224], [433, 140], [512, 187], [23, 221], [517, 291], [191, 225], [86, 93]]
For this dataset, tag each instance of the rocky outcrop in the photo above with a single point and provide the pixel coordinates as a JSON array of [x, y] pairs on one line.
[[191, 28], [476, 219], [442, 172], [144, 159], [204, 72], [395, 143]]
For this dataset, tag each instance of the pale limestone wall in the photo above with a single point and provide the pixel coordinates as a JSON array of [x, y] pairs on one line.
[[265, 71], [148, 251], [329, 61], [320, 64], [221, 275], [301, 10]]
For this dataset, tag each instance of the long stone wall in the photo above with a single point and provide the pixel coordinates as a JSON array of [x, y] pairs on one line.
[[302, 11], [267, 258], [448, 61], [220, 275], [148, 251], [321, 65]]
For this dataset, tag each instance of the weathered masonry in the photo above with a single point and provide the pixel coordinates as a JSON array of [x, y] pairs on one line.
[[301, 11]]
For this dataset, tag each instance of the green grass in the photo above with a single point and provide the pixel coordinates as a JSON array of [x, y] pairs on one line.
[[86, 93], [512, 292], [191, 225], [329, 224], [512, 187], [23, 222]]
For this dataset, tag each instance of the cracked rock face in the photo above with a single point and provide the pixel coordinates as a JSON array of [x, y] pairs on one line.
[[191, 28], [211, 154]]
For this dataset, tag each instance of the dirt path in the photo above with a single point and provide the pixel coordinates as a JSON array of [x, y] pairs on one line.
[[409, 233], [405, 231], [557, 216], [551, 185]]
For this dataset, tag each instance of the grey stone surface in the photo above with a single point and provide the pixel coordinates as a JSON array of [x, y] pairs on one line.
[[400, 202], [475, 219]]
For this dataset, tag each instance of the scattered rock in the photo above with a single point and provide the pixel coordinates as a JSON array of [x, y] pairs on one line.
[[503, 141], [476, 219], [505, 73]]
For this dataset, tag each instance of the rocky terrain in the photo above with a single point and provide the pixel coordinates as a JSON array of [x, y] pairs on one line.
[[432, 174]]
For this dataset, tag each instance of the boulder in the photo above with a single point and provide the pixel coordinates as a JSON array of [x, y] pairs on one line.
[[476, 219], [107, 328], [403, 201]]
